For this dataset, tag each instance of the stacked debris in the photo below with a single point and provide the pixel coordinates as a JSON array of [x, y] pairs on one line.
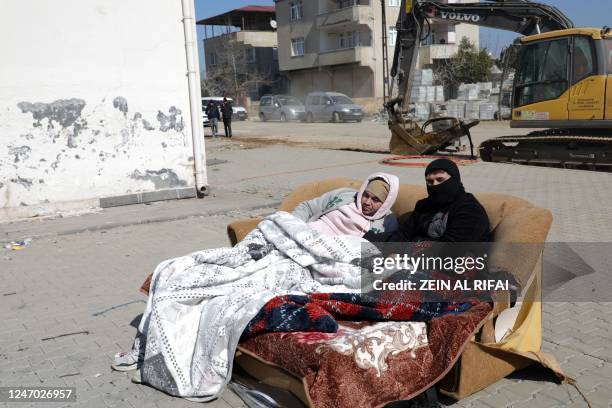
[[474, 101], [424, 93]]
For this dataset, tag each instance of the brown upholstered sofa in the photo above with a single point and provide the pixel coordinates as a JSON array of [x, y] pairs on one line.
[[513, 220]]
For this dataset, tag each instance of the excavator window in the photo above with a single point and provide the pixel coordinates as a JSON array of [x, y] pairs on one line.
[[542, 72], [584, 64], [608, 48]]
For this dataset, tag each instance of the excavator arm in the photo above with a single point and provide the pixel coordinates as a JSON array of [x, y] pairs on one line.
[[521, 16]]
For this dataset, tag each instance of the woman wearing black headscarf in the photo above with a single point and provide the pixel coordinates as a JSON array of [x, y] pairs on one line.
[[448, 214]]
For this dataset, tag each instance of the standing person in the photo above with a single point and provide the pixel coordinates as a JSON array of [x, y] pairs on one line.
[[212, 111], [226, 110]]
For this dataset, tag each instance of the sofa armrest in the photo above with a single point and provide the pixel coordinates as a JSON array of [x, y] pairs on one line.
[[237, 230]]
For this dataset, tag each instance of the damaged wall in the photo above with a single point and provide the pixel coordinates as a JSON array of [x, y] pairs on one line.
[[94, 102]]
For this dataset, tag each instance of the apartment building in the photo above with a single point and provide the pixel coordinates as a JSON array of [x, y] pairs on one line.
[[254, 28], [337, 44]]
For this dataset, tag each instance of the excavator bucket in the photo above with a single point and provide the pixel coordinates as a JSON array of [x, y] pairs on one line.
[[407, 138]]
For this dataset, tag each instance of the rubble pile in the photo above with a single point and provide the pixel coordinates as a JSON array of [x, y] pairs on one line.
[[473, 101]]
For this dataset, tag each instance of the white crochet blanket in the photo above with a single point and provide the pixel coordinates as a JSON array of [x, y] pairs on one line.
[[199, 304]]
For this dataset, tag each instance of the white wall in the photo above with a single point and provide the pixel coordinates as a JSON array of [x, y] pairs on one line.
[[93, 102]]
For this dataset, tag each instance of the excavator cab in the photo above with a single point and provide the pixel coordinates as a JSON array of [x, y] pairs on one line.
[[561, 80]]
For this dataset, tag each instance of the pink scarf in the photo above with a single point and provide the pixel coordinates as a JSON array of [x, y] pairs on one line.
[[346, 220]]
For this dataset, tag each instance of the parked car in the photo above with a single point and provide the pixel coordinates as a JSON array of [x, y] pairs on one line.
[[332, 106], [238, 111], [280, 107]]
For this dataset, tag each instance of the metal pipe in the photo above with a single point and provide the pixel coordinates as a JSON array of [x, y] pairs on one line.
[[195, 99]]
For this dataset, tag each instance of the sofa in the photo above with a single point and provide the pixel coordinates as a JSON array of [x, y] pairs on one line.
[[483, 360]]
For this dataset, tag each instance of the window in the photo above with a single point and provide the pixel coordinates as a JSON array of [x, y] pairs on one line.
[[212, 59], [315, 100], [342, 100], [251, 55], [275, 54], [297, 46], [348, 40], [392, 35], [584, 64], [288, 101], [346, 3], [542, 72], [265, 101], [296, 10], [608, 55], [394, 3]]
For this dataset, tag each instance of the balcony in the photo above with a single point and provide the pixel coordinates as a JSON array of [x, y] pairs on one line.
[[253, 38], [346, 56], [345, 16], [429, 53]]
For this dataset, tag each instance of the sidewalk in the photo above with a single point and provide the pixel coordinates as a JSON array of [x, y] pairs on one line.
[[79, 277]]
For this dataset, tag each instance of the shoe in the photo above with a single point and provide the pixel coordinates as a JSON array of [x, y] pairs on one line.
[[126, 361], [137, 377]]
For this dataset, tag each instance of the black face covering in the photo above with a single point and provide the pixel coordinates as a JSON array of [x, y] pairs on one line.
[[447, 192]]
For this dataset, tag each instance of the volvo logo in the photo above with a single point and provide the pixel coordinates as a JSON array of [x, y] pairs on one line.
[[474, 18]]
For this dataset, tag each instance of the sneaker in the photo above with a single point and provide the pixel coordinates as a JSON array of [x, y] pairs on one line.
[[126, 361], [137, 378]]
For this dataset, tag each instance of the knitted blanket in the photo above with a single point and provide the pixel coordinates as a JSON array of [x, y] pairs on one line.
[[200, 304]]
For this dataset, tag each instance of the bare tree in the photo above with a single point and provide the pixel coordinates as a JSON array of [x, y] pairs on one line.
[[232, 74]]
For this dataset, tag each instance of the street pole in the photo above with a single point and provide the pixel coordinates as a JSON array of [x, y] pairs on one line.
[[385, 56]]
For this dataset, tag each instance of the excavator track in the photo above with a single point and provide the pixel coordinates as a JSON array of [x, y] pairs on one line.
[[552, 148]]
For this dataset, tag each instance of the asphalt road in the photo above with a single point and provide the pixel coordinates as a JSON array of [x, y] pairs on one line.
[[367, 135]]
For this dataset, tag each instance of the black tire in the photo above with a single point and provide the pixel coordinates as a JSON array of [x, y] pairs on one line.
[[358, 120], [283, 117], [309, 117], [262, 117], [336, 117]]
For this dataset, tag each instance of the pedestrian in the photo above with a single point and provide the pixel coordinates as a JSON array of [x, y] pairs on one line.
[[226, 110], [212, 111]]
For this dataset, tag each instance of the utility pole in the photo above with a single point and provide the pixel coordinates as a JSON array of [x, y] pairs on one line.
[[385, 56]]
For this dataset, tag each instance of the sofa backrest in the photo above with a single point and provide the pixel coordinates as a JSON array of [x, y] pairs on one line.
[[315, 189], [512, 219]]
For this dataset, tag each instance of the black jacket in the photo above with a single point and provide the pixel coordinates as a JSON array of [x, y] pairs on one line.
[[226, 110], [467, 222], [212, 111]]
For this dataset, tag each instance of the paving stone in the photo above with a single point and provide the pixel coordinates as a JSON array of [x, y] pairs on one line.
[[88, 272]]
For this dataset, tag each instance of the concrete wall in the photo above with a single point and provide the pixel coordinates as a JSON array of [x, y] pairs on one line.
[[93, 103], [354, 81]]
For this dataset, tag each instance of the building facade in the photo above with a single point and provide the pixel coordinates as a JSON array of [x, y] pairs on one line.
[[253, 28], [336, 45], [95, 105]]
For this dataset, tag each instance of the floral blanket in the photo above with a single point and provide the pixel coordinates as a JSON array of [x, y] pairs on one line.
[[367, 364]]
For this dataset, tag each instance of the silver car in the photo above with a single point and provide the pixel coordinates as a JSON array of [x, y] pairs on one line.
[[332, 106], [280, 107]]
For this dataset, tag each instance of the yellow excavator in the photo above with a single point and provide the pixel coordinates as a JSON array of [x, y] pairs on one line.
[[562, 84]]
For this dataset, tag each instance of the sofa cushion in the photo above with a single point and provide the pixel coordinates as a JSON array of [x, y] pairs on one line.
[[407, 197], [519, 241], [315, 189]]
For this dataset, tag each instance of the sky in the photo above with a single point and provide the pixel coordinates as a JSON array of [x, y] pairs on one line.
[[585, 13]]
